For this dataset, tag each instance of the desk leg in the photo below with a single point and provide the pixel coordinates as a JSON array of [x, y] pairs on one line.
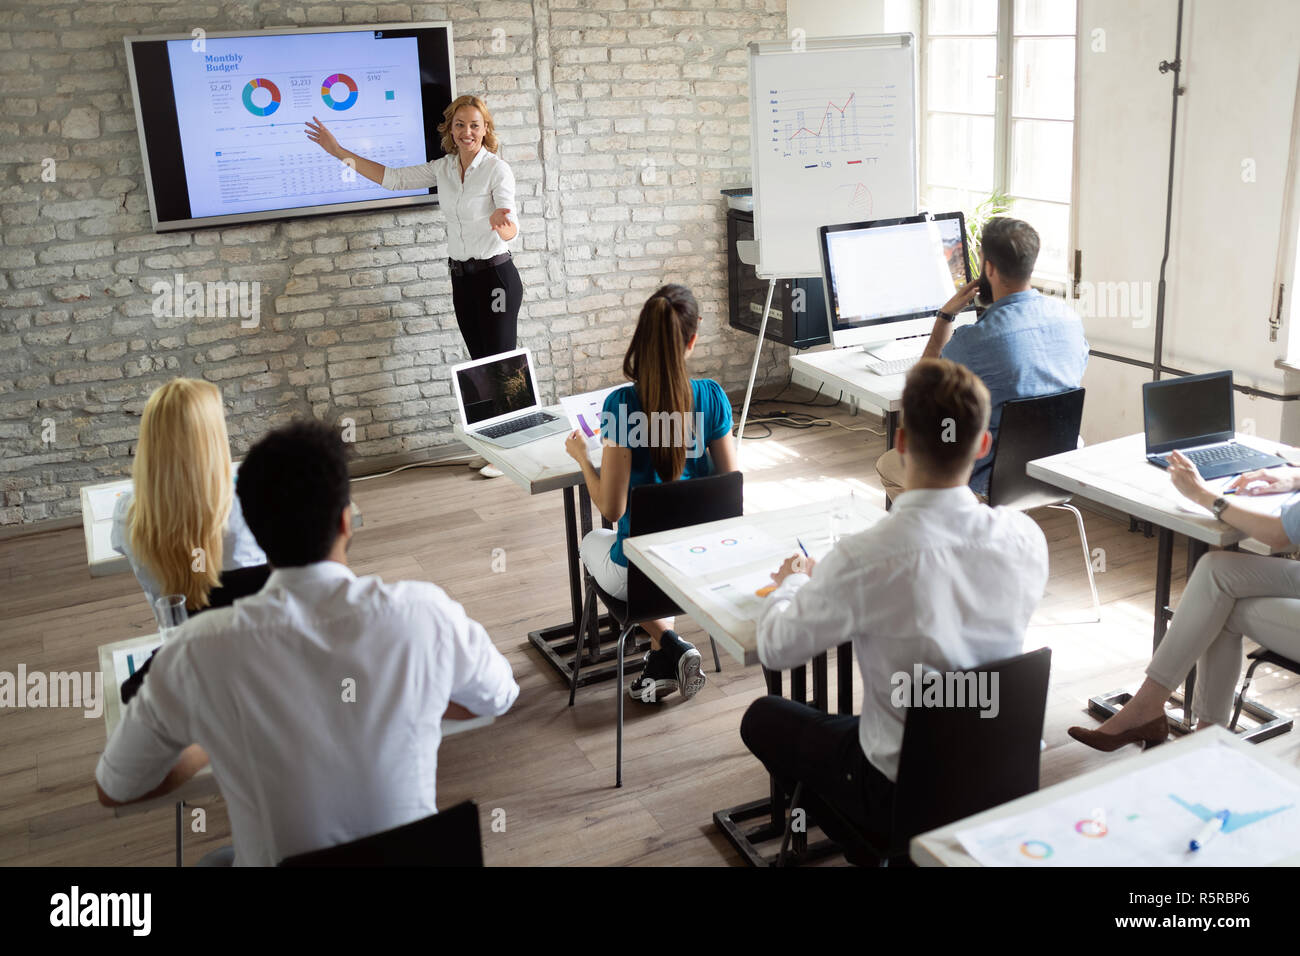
[[769, 812], [844, 678], [558, 642], [180, 832], [1164, 571], [891, 426]]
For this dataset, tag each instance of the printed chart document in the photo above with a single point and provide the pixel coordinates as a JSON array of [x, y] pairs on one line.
[[1149, 817], [708, 553], [128, 660], [584, 412]]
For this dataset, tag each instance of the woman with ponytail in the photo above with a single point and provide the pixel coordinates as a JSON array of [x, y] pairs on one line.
[[665, 426]]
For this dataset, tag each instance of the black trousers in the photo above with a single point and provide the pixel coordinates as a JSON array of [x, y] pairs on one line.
[[797, 743], [487, 308]]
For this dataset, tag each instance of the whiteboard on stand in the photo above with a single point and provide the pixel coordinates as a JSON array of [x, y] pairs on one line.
[[832, 140]]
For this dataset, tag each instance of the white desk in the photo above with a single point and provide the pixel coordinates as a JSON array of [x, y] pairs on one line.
[[942, 848], [203, 784], [844, 373], [1117, 474], [736, 635], [97, 524], [540, 467], [739, 636]]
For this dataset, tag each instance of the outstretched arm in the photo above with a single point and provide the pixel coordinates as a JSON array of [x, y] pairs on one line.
[[322, 137]]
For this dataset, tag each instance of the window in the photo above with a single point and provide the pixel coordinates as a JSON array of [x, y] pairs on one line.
[[998, 114]]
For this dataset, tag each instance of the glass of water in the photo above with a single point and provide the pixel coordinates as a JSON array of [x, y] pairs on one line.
[[169, 610], [841, 524]]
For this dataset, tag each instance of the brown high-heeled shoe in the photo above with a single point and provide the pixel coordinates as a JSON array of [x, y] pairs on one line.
[[1150, 734]]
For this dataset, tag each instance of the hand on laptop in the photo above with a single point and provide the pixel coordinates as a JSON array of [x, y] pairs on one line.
[[795, 564], [1188, 481], [1266, 481]]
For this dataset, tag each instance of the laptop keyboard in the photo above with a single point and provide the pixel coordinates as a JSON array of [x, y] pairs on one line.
[[1219, 454], [501, 429]]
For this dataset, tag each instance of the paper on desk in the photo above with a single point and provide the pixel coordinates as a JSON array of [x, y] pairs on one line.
[[584, 412], [741, 594], [128, 660], [103, 500], [708, 553], [101, 541], [1147, 818]]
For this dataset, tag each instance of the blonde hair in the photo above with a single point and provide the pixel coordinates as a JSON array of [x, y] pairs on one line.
[[489, 130], [183, 491]]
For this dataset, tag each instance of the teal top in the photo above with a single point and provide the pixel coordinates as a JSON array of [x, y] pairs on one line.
[[623, 422]]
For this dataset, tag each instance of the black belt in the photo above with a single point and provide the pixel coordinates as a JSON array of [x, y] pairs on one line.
[[470, 266]]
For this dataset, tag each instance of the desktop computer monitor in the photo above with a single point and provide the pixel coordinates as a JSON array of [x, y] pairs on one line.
[[885, 279]]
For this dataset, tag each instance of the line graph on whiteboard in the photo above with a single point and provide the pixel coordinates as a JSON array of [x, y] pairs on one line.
[[823, 122]]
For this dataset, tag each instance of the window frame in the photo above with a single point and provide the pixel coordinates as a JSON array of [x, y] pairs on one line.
[[1003, 120]]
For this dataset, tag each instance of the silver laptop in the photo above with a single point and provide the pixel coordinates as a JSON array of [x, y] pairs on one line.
[[498, 402]]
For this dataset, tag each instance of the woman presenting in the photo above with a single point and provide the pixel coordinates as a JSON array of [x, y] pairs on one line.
[[476, 191]]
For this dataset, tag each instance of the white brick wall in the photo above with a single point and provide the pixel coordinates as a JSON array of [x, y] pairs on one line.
[[356, 315]]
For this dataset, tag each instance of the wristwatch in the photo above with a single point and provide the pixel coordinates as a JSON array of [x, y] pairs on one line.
[[1219, 507], [945, 316]]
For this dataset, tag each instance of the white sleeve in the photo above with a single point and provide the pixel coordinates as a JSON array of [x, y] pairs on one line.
[[482, 681], [805, 617], [503, 190], [155, 729], [411, 177]]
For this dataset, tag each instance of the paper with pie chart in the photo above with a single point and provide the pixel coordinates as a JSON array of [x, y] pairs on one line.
[[241, 106], [1149, 817], [710, 553]]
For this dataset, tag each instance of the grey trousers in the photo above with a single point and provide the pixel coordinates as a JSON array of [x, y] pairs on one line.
[[1230, 594]]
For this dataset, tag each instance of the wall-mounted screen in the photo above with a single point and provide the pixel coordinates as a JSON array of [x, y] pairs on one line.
[[222, 118]]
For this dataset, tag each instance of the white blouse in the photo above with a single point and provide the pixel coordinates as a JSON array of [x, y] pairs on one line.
[[489, 185]]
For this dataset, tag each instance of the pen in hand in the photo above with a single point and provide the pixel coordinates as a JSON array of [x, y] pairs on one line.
[[1212, 828]]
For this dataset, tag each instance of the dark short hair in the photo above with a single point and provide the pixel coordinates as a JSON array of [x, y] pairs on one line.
[[293, 487], [945, 411], [1011, 245]]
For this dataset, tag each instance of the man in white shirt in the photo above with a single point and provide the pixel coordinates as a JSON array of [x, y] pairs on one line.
[[319, 700], [943, 582]]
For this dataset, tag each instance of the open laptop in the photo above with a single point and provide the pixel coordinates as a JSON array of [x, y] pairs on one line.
[[1193, 414], [498, 402]]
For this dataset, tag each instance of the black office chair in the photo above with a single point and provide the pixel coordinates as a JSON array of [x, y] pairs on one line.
[[1035, 428], [652, 508], [955, 762], [1262, 655], [449, 838]]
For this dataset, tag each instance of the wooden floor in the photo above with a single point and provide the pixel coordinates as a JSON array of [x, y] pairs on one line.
[[544, 770]]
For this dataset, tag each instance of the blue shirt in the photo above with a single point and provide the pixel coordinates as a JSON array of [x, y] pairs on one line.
[[618, 423], [1291, 520], [1025, 345]]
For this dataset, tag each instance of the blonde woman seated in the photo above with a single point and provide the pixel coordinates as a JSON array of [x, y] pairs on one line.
[[183, 498], [1230, 594]]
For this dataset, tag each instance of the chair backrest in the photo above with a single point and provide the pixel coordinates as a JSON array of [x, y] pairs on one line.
[[955, 762], [236, 583], [449, 838], [1033, 428], [669, 505]]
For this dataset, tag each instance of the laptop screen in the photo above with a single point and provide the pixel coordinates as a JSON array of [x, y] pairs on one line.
[[1181, 412], [496, 388]]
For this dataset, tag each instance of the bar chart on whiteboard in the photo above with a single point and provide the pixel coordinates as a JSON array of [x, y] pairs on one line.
[[840, 150]]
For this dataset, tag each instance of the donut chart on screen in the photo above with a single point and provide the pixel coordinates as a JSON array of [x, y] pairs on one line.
[[328, 84], [262, 84]]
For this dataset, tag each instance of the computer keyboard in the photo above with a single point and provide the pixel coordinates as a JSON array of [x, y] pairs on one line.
[[893, 366], [516, 425], [1217, 454]]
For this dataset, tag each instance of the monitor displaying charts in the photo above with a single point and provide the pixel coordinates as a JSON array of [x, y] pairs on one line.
[[891, 272], [221, 118]]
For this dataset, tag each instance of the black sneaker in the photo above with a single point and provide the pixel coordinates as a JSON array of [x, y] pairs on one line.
[[686, 664], [658, 678]]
